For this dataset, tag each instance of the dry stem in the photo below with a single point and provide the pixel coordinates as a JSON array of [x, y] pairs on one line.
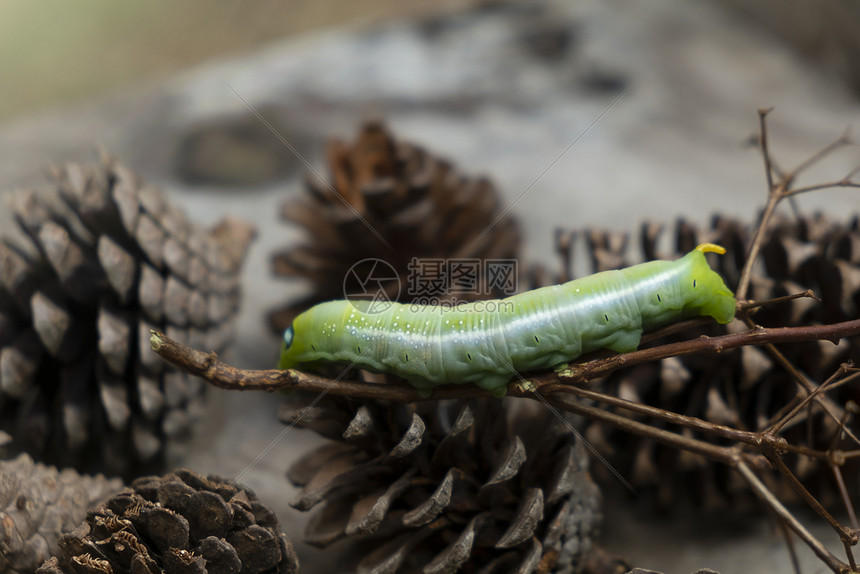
[[210, 368]]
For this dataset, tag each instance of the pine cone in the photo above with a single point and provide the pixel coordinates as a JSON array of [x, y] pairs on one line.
[[445, 487], [178, 523], [106, 259], [38, 504], [743, 388], [391, 201]]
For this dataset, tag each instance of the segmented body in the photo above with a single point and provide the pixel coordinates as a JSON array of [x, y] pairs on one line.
[[488, 342]]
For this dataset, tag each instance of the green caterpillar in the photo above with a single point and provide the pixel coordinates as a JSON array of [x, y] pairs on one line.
[[488, 342]]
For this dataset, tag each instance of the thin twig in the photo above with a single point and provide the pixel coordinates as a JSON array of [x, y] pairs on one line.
[[765, 146], [771, 450], [780, 190], [841, 371], [789, 545], [846, 498], [820, 186], [758, 487], [726, 455], [758, 336], [840, 142], [773, 198], [832, 410], [693, 423], [208, 367], [747, 305]]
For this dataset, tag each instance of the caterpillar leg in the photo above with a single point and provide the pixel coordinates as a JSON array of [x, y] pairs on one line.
[[496, 384], [624, 341], [424, 388]]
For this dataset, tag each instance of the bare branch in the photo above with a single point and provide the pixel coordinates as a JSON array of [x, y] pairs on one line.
[[840, 142], [207, 365], [773, 502], [820, 186], [747, 305]]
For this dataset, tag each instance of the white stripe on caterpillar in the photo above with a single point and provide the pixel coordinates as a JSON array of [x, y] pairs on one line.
[[480, 342]]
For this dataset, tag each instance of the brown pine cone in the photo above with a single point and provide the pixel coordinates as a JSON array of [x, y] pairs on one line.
[[38, 504], [745, 387], [468, 486], [107, 258], [178, 523], [394, 202]]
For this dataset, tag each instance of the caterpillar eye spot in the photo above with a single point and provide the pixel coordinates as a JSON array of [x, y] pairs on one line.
[[659, 299], [605, 316], [407, 357], [469, 355], [313, 348], [536, 339], [288, 336], [694, 283], [358, 349]]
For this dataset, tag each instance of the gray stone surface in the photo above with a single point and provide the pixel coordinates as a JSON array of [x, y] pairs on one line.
[[585, 114]]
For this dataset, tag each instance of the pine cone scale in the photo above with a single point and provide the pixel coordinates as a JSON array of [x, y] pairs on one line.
[[52, 320], [16, 274], [331, 479], [457, 553], [303, 470], [390, 556], [114, 397], [369, 512], [511, 458], [79, 277], [19, 363], [120, 267], [429, 509], [525, 521]]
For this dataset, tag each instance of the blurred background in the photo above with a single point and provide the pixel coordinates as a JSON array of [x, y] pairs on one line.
[[54, 53], [57, 54], [583, 113]]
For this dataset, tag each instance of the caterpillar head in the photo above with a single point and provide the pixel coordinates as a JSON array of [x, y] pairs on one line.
[[294, 345], [287, 360], [301, 346], [706, 292]]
